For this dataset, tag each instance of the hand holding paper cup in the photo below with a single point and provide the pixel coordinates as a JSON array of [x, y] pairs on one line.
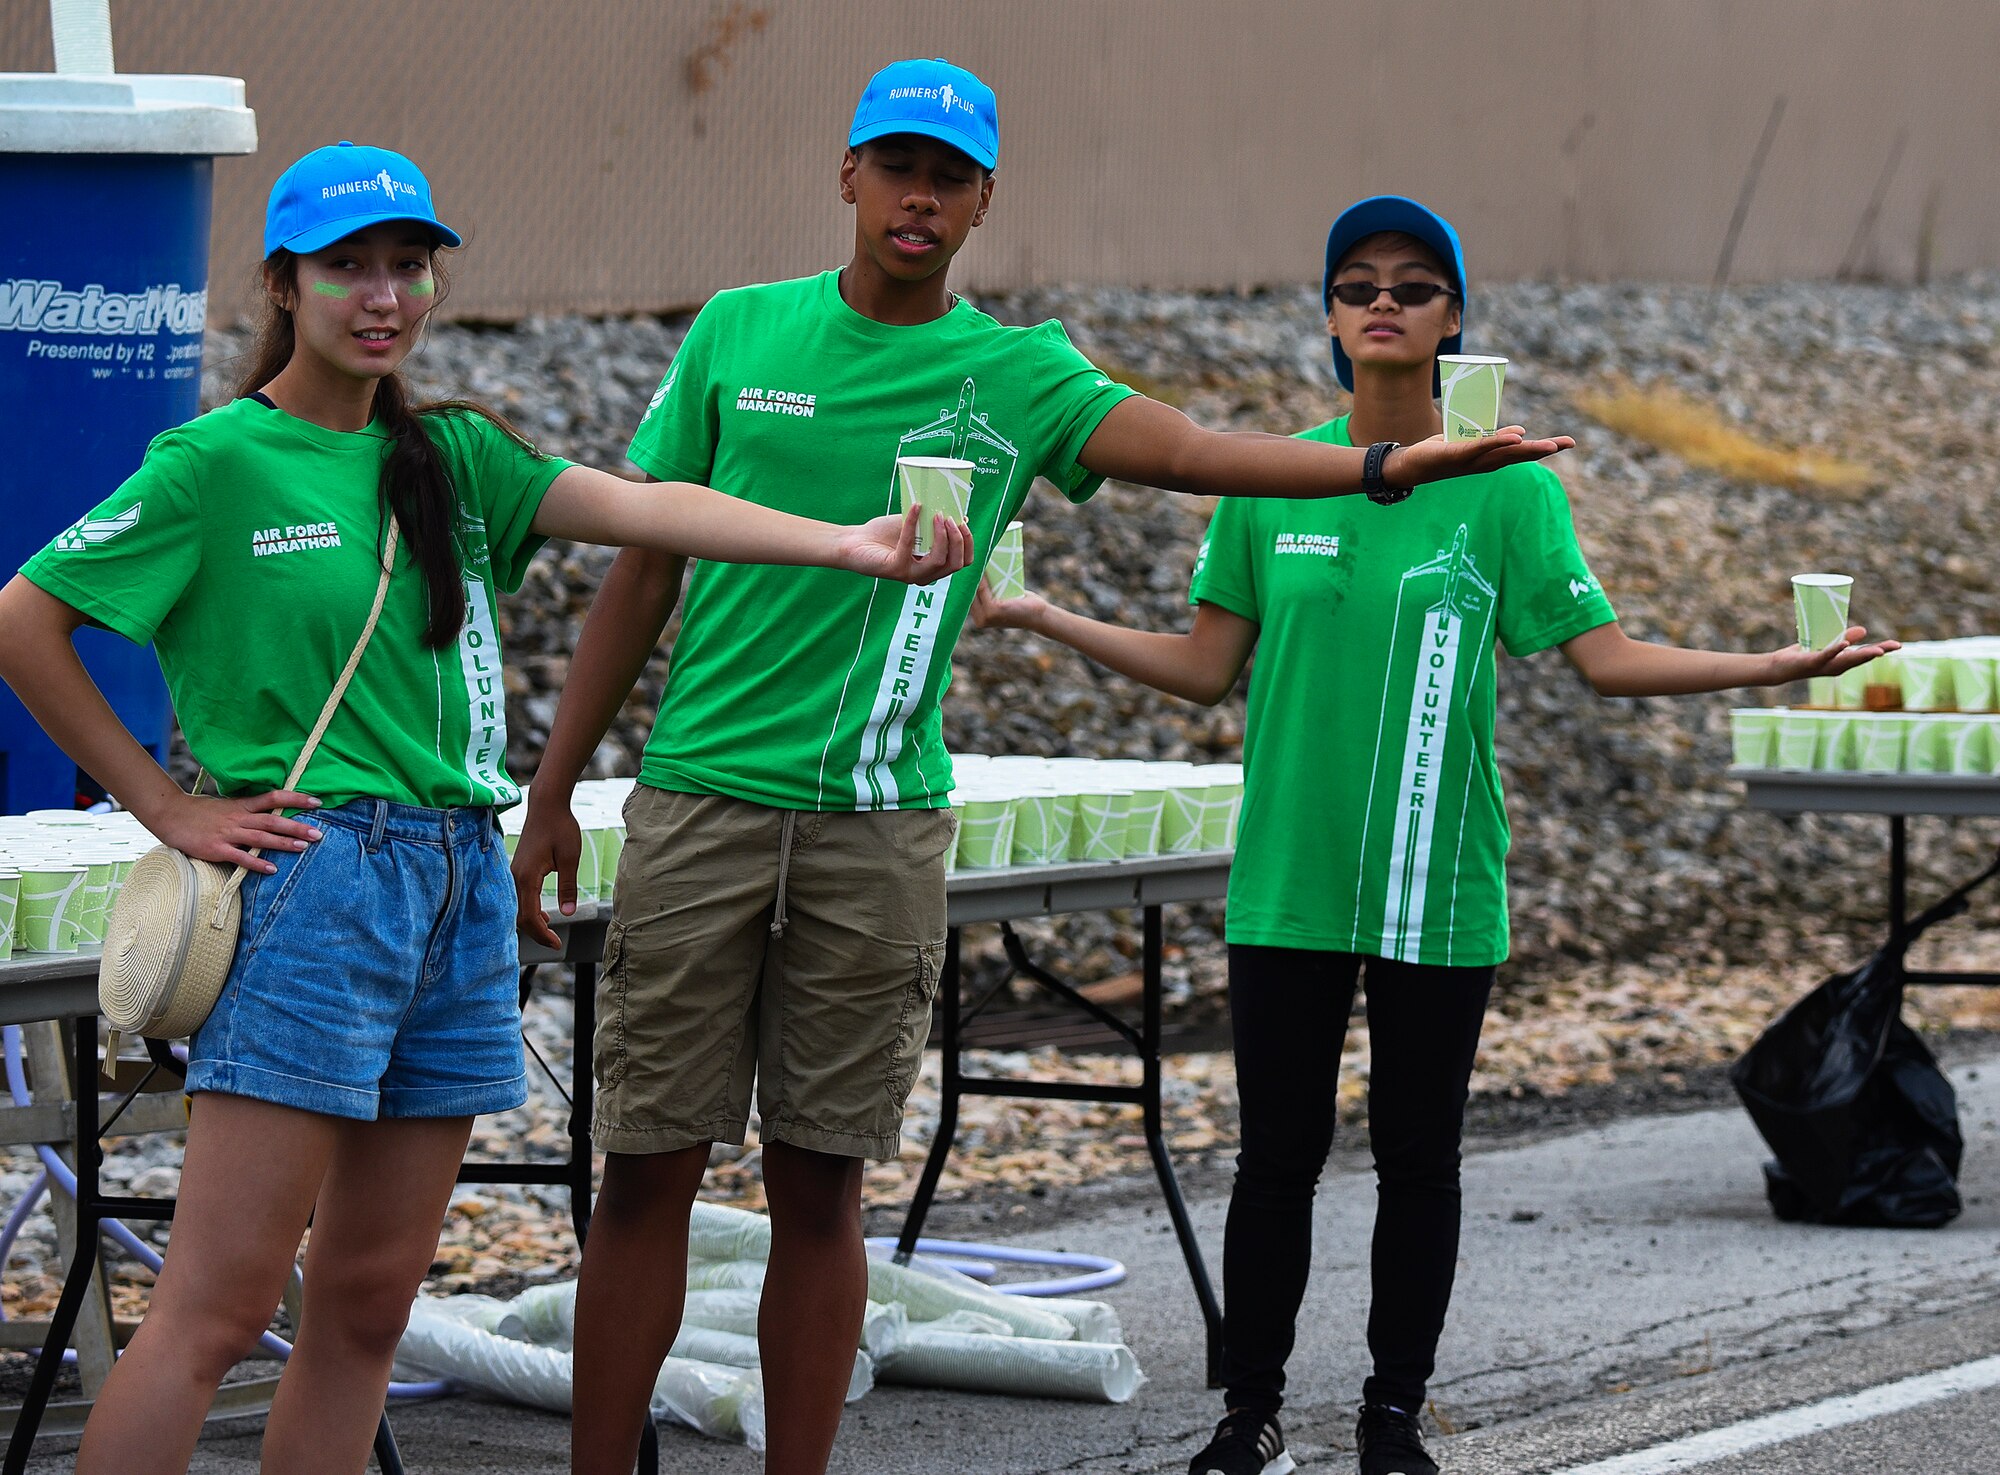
[[1469, 392], [937, 486], [1007, 569]]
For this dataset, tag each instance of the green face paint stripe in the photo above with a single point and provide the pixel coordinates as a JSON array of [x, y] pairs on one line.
[[423, 288], [331, 289]]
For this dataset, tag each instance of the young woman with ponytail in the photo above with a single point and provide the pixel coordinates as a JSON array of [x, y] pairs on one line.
[[371, 1009]]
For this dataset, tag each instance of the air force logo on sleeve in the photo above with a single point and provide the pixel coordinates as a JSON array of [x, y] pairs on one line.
[[88, 532]]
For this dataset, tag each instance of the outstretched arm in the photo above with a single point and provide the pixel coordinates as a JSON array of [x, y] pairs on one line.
[[1616, 665], [1201, 665], [619, 635], [684, 520], [1155, 445]]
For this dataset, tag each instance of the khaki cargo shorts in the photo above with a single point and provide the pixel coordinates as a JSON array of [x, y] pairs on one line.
[[800, 950]]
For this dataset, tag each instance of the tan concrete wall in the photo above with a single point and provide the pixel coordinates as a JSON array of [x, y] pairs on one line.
[[637, 154]]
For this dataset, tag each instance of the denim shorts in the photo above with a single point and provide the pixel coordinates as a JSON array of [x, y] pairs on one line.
[[376, 972]]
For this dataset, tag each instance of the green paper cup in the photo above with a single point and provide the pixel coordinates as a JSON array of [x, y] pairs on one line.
[[610, 846], [10, 906], [1065, 823], [1850, 688], [1839, 742], [51, 896], [586, 866], [1037, 837], [1099, 833], [100, 879], [1221, 807], [1007, 569], [1753, 736], [1820, 601], [1926, 749], [1971, 683], [957, 825], [1926, 681], [986, 833], [1180, 820], [1798, 741], [1469, 392], [1880, 741], [1965, 744], [1142, 822], [938, 486]]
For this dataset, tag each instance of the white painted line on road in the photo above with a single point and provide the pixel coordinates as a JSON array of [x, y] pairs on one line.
[[1796, 1423]]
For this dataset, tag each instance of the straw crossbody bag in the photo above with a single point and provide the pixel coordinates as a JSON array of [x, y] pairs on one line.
[[171, 936]]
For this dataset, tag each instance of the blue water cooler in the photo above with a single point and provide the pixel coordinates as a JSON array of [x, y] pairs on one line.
[[103, 297]]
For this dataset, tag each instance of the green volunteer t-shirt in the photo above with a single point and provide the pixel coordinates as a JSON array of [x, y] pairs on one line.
[[814, 689], [246, 549], [1372, 819]]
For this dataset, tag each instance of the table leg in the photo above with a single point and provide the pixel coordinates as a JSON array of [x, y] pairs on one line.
[[94, 1339], [83, 1268], [76, 1286], [1899, 876], [948, 1089], [1156, 1145], [583, 1032]]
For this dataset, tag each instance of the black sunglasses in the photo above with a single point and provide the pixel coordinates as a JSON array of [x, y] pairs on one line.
[[1403, 294]]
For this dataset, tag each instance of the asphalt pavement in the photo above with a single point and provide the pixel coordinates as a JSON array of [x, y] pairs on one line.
[[1621, 1288]]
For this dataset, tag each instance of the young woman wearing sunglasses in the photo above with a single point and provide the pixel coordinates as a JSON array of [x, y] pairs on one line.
[[1374, 834]]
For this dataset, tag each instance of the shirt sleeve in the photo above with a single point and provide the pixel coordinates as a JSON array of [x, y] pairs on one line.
[[505, 478], [676, 438], [126, 563], [1073, 396], [1549, 594], [1225, 570]]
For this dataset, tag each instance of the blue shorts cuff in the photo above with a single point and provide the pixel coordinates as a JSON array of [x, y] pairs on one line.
[[405, 1102], [228, 1078]]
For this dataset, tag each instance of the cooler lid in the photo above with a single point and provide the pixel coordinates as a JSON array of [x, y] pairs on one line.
[[120, 113]]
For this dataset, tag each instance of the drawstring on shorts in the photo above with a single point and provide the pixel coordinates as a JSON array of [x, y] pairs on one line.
[[786, 830]]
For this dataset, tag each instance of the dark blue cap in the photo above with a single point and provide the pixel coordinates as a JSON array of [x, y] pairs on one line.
[[345, 187], [1393, 212], [934, 98]]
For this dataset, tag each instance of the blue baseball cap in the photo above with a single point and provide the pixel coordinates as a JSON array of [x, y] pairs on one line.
[[934, 98], [1393, 212], [346, 187]]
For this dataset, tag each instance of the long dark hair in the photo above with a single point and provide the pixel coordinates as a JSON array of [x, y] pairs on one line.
[[416, 481]]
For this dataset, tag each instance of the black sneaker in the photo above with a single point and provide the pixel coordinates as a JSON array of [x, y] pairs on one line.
[[1391, 1443], [1245, 1443]]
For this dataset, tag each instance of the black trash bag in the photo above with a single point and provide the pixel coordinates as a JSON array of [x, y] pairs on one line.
[[1863, 1122]]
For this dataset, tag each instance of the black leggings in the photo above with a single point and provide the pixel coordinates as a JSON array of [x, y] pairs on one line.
[[1288, 1009]]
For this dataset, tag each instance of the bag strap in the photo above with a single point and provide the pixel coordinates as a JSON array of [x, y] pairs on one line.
[[326, 712]]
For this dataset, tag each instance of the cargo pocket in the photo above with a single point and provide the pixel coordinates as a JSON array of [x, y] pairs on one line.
[[608, 1053], [913, 1027]]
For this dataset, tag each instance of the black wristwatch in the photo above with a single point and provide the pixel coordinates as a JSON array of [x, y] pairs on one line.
[[1379, 491]]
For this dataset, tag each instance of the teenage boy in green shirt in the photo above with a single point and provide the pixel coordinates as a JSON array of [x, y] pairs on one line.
[[781, 901]]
